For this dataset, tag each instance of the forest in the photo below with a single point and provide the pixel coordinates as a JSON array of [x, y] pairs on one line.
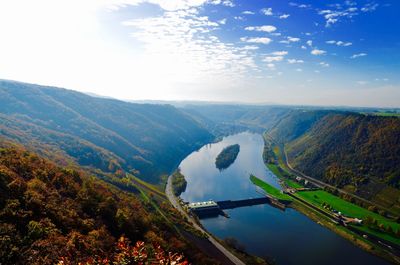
[[144, 139], [50, 214], [357, 152], [227, 156]]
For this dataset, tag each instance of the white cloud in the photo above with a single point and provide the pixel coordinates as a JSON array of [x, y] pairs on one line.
[[284, 16], [324, 64], [354, 56], [172, 5], [370, 7], [309, 43], [280, 53], [256, 40], [339, 12], [222, 21], [299, 70], [250, 47], [350, 3], [248, 12], [265, 28], [339, 43], [303, 47], [267, 11], [294, 61], [228, 3], [292, 39], [270, 59], [299, 5], [271, 66], [344, 44], [177, 54], [181, 48], [318, 52]]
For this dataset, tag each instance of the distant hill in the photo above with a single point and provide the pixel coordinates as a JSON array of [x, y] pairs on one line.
[[226, 119], [350, 150], [148, 140]]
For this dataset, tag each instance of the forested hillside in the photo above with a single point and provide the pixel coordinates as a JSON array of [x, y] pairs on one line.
[[226, 119], [108, 134], [50, 213], [354, 151]]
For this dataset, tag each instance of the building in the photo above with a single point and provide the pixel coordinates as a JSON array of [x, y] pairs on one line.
[[207, 208]]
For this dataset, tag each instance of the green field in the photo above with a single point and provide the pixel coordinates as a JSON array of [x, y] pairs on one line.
[[317, 198], [347, 208], [274, 192], [280, 170], [350, 209], [290, 183]]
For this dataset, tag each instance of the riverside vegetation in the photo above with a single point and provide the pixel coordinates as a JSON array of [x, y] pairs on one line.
[[227, 156]]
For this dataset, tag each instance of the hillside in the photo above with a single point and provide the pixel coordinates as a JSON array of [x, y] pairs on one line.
[[148, 140], [228, 119], [357, 152], [50, 213]]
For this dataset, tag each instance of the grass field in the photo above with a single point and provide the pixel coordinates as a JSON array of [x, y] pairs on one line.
[[350, 209], [290, 183], [380, 234], [347, 208], [153, 188], [269, 189], [317, 198]]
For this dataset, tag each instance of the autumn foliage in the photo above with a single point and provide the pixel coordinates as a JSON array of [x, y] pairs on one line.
[[48, 212], [138, 254]]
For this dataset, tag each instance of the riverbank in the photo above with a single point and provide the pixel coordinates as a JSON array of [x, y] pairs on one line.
[[274, 235], [333, 212], [175, 203]]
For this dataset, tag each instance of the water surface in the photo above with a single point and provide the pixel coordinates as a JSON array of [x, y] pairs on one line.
[[288, 237]]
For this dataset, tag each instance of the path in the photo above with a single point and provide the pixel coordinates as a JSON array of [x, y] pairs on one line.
[[174, 201]]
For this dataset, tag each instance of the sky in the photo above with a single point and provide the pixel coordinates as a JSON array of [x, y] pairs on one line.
[[342, 52]]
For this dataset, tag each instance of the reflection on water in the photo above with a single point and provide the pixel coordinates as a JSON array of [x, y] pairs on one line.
[[289, 237]]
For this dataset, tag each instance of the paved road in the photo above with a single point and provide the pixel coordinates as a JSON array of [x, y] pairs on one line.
[[174, 201]]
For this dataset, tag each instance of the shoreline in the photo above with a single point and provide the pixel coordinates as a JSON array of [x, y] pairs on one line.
[[355, 239]]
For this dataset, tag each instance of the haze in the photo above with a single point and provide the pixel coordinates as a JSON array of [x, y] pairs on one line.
[[308, 52]]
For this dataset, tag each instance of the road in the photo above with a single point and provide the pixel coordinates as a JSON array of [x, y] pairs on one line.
[[322, 184], [174, 201]]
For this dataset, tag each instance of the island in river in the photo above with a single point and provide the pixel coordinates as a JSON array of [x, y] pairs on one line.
[[227, 156], [280, 237]]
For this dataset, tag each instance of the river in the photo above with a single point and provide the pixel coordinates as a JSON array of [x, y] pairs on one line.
[[286, 237]]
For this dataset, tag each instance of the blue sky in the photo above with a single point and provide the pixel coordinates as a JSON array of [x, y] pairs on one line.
[[341, 52]]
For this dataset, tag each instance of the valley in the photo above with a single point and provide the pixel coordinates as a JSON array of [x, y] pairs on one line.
[[297, 157]]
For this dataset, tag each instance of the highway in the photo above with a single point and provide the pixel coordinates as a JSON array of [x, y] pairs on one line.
[[174, 201]]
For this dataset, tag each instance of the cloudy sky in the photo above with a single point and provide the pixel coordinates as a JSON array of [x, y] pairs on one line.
[[343, 52]]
